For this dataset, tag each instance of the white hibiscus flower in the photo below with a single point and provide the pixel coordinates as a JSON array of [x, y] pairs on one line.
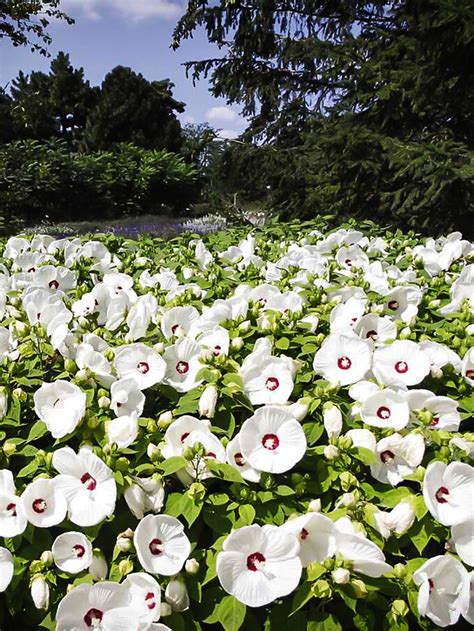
[[259, 564], [60, 405], [88, 484], [161, 544], [342, 359], [272, 440]]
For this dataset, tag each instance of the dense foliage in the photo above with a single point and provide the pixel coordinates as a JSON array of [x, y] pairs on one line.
[[48, 180], [364, 107], [24, 22], [272, 428]]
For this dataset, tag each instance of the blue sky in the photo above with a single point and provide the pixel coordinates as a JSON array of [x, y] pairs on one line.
[[134, 33]]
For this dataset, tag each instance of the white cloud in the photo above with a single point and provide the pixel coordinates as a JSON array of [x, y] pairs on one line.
[[134, 10], [227, 134], [222, 115]]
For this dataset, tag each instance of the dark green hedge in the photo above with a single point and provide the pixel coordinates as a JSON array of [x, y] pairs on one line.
[[47, 180]]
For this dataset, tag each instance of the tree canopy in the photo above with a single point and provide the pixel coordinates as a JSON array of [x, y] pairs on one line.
[[361, 108], [25, 22], [62, 104]]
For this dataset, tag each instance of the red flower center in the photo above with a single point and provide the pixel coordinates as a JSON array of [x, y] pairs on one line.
[[348, 262], [304, 534], [211, 454], [401, 367], [344, 363], [470, 373], [88, 481], [143, 367], [239, 460], [372, 334], [156, 547], [93, 616], [272, 383], [39, 505], [79, 551], [182, 367], [31, 270], [184, 436], [270, 441], [387, 456], [435, 421], [431, 584], [11, 508], [150, 600], [441, 494], [383, 412], [393, 305], [255, 561], [174, 328], [217, 350], [53, 284]]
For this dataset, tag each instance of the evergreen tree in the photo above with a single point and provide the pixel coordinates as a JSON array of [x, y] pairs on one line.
[[132, 109], [362, 108], [52, 105]]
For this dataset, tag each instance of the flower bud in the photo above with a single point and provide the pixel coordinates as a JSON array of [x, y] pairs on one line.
[[165, 419], [315, 505], [124, 540], [165, 610], [153, 452], [9, 448], [98, 568], [309, 322], [207, 401], [125, 567], [20, 394], [191, 566], [46, 557], [237, 343], [159, 347], [70, 366], [177, 596], [40, 592], [359, 588], [332, 420], [187, 273], [3, 404], [245, 326], [81, 375], [104, 402], [299, 410], [331, 452], [348, 500], [341, 576]]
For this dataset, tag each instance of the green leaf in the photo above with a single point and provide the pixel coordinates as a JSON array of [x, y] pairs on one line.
[[37, 430], [173, 464], [324, 622], [364, 455], [28, 469], [229, 612], [301, 597], [224, 471], [247, 514], [282, 343]]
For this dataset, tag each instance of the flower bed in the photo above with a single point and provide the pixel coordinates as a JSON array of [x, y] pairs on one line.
[[242, 431]]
